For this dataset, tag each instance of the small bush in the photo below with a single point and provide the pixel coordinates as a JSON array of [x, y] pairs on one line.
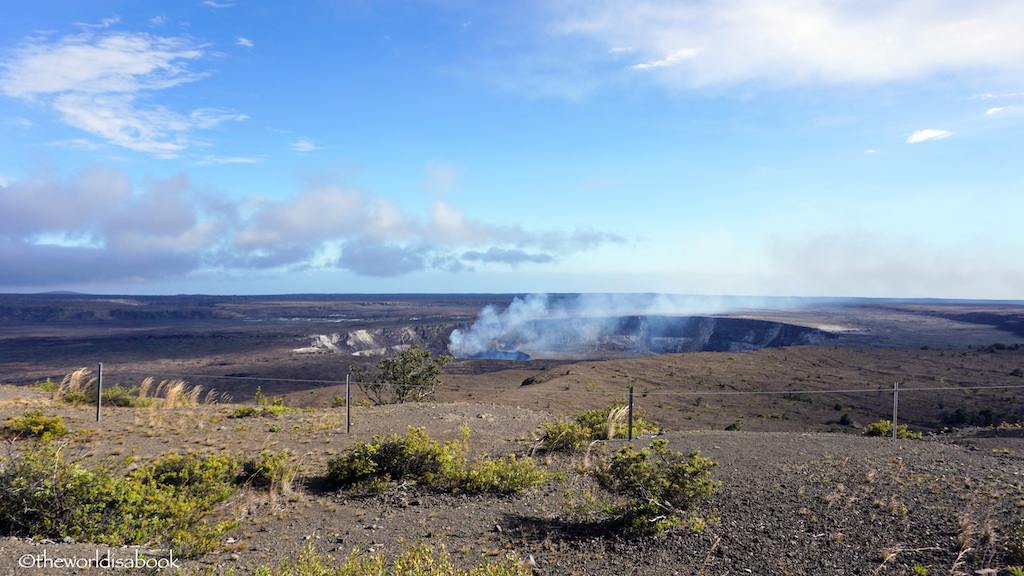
[[33, 423], [503, 475], [125, 397], [262, 406], [613, 422], [884, 428], [653, 488], [416, 457], [564, 435], [271, 471]]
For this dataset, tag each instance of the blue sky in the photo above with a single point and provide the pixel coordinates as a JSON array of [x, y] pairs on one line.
[[787, 148]]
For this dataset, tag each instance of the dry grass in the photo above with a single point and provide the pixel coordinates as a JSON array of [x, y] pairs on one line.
[[615, 417]]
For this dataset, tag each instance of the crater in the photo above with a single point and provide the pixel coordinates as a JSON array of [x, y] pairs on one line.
[[577, 338]]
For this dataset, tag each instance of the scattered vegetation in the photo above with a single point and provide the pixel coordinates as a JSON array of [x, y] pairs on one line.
[[575, 433], [409, 376], [416, 457], [884, 428], [43, 493], [261, 406], [420, 560]]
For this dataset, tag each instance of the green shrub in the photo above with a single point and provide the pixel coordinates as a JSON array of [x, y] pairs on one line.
[[261, 406], [884, 428], [848, 420], [420, 560], [124, 397], [33, 423], [563, 435], [168, 503], [504, 475], [653, 488], [613, 422], [411, 375], [1013, 542], [416, 457], [269, 470]]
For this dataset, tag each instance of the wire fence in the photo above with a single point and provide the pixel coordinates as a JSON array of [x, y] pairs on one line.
[[895, 389], [623, 390]]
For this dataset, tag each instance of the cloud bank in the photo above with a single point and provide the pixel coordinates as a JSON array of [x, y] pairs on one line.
[[96, 226], [694, 43]]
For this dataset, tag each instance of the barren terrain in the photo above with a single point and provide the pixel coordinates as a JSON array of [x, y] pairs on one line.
[[801, 493]]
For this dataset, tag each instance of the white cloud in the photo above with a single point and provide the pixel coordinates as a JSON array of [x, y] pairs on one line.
[[803, 41], [670, 60], [95, 82], [929, 134], [1001, 110], [213, 4], [304, 145], [104, 23], [90, 64], [244, 42]]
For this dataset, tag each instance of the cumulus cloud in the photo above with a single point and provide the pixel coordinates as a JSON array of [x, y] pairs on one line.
[[99, 226], [929, 134], [94, 81], [695, 43]]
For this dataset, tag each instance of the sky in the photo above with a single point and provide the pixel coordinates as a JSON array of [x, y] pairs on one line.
[[840, 148]]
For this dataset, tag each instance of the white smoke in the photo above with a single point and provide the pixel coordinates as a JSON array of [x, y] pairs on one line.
[[584, 318]]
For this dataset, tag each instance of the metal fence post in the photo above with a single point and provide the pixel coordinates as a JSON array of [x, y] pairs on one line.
[[895, 406], [99, 390], [630, 426], [348, 404]]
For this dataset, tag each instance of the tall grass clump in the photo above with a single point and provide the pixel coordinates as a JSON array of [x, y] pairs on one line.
[[79, 387]]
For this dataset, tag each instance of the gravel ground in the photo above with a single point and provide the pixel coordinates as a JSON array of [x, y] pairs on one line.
[[788, 503]]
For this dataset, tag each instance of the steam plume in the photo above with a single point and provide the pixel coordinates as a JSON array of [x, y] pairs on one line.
[[527, 324]]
